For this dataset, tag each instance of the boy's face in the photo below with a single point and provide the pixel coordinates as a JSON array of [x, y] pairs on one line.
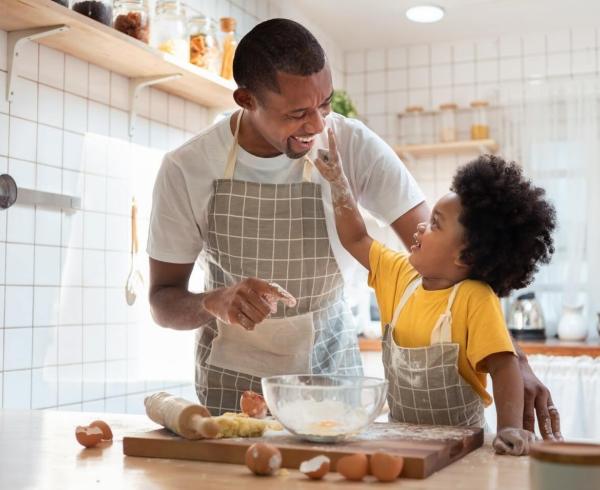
[[438, 243]]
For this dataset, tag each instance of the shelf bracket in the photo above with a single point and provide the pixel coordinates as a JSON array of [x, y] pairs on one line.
[[135, 87], [16, 39]]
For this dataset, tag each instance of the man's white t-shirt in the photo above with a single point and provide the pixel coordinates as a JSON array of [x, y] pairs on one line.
[[182, 191]]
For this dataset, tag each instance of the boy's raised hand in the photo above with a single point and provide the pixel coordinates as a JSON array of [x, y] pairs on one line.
[[329, 162]]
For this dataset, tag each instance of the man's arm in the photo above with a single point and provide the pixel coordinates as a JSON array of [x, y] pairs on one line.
[[538, 401], [406, 225], [246, 303]]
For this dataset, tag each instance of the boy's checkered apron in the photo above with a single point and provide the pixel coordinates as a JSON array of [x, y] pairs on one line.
[[425, 386], [276, 232]]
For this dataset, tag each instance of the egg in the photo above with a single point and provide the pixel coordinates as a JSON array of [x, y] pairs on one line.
[[353, 467], [88, 436], [315, 468], [107, 434], [386, 467], [253, 404], [263, 459]]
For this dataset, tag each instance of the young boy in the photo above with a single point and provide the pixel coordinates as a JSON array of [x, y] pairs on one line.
[[443, 325]]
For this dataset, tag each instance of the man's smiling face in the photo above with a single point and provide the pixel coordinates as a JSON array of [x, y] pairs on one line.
[[290, 119]]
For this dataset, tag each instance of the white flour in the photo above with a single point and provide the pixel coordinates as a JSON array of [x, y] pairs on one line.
[[322, 418]]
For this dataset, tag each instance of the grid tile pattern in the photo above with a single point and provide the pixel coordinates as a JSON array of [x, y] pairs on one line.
[[384, 82]]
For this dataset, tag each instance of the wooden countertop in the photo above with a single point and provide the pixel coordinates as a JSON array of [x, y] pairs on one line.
[[549, 347], [38, 450]]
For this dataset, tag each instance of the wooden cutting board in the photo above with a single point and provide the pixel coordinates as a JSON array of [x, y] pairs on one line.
[[426, 449]]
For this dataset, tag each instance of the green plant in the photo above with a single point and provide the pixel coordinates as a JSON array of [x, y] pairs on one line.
[[342, 104]]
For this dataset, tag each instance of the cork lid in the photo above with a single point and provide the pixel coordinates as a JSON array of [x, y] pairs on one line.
[[451, 106], [414, 108], [227, 24], [480, 103], [566, 452]]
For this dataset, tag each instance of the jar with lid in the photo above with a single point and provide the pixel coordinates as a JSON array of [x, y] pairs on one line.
[[204, 45], [169, 30], [99, 10], [229, 43], [131, 18], [448, 123], [412, 125], [480, 129]]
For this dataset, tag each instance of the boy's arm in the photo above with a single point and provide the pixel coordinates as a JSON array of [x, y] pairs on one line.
[[348, 221], [511, 438]]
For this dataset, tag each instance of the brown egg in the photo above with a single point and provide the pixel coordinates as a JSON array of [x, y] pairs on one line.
[[88, 436], [107, 434], [253, 405], [353, 467], [385, 466], [315, 468], [263, 459]]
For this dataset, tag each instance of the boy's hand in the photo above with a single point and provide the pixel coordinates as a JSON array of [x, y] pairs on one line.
[[329, 162], [513, 441]]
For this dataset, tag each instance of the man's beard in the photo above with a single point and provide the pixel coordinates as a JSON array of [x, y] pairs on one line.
[[292, 154]]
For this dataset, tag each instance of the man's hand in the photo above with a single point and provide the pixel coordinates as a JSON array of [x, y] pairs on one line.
[[538, 401], [246, 303], [513, 441]]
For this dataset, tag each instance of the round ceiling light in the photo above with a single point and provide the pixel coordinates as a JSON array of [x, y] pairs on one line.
[[425, 13]]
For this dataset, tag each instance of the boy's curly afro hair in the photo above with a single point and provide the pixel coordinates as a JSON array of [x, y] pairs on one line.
[[508, 223]]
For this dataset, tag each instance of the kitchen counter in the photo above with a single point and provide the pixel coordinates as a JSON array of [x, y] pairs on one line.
[[548, 347], [38, 450]]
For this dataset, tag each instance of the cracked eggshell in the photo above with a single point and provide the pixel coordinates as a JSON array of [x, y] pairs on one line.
[[263, 459], [88, 436], [107, 434], [316, 468], [353, 467], [386, 467], [253, 405]]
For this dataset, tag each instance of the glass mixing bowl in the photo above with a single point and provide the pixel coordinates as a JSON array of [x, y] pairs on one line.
[[324, 408]]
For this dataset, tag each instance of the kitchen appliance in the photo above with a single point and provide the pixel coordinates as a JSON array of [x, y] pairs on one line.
[[324, 408], [526, 319]]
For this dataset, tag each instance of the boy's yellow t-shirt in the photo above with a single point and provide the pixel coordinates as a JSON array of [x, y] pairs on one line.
[[478, 325]]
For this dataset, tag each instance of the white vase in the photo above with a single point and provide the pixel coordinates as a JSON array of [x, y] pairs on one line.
[[571, 325]]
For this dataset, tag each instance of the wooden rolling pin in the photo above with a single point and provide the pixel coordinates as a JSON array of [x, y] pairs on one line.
[[187, 419]]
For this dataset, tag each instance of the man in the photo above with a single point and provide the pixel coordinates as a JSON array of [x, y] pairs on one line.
[[245, 195]]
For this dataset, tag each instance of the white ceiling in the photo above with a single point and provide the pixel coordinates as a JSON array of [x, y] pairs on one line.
[[355, 24]]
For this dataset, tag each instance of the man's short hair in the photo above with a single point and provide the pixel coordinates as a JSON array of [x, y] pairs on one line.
[[275, 45]]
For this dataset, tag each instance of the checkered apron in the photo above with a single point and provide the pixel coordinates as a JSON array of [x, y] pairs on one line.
[[425, 386], [276, 232]]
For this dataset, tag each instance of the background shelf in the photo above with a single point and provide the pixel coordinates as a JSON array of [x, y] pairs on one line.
[[104, 46]]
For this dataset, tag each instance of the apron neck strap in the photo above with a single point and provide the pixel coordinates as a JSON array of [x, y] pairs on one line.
[[232, 156], [442, 331], [412, 286], [233, 151]]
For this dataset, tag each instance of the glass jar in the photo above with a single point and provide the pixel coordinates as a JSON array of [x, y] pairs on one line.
[[448, 123], [99, 10], [169, 30], [480, 129], [204, 45], [229, 44], [131, 18], [412, 125]]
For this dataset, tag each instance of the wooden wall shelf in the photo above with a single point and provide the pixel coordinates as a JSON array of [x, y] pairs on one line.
[[548, 347], [469, 146], [104, 46]]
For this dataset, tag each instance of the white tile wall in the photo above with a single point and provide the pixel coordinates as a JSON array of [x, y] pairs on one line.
[[460, 72]]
